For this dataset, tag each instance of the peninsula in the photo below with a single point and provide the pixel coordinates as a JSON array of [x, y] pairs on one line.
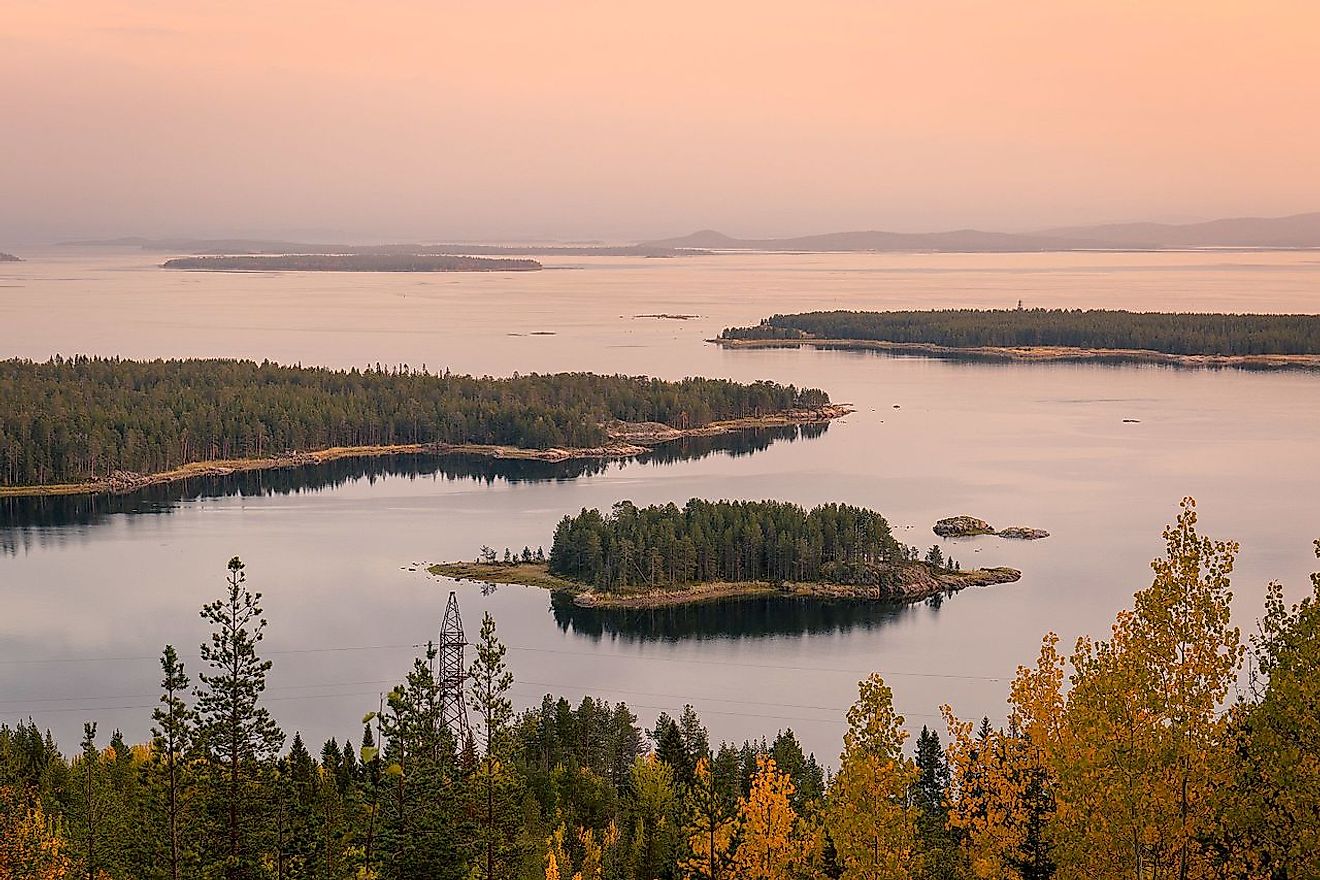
[[664, 555], [351, 263], [1257, 341], [103, 425]]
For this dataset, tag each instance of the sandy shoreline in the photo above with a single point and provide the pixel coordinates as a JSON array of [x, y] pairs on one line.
[[627, 439], [1045, 354]]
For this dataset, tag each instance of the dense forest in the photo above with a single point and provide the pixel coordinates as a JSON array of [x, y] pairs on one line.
[[732, 541], [73, 420], [1157, 759], [1171, 333]]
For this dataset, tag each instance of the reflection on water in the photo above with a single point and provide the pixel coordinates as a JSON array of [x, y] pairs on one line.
[[752, 617], [23, 519]]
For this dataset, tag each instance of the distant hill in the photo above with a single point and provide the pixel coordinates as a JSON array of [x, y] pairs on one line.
[[242, 246], [958, 241], [9, 258], [1297, 231]]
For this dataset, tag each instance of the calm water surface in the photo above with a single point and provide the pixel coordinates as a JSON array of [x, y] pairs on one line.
[[90, 590]]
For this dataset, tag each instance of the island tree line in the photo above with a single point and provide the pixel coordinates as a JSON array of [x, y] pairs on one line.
[[1167, 332], [662, 545], [1158, 758], [70, 420]]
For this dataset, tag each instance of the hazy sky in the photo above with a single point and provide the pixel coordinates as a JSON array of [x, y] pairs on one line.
[[369, 121]]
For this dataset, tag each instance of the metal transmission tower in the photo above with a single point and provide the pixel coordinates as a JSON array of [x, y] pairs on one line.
[[452, 674]]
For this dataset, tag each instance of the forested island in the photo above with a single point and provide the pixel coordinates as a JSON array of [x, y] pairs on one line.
[[88, 424], [1123, 757], [1190, 339], [9, 258], [708, 550], [352, 263]]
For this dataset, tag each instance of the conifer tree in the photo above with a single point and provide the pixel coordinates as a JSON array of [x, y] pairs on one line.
[[238, 734], [651, 804], [92, 799], [709, 829], [172, 740], [488, 697]]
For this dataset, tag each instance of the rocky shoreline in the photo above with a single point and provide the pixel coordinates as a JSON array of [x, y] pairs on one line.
[[626, 439], [1043, 354], [917, 581]]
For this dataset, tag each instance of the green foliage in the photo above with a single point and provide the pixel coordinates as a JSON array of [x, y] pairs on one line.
[[78, 419], [1171, 333], [663, 545], [1138, 756], [237, 735]]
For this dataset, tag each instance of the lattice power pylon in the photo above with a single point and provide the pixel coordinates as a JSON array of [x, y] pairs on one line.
[[452, 674]]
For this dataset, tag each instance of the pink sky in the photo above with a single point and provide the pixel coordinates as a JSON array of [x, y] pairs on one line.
[[627, 120]]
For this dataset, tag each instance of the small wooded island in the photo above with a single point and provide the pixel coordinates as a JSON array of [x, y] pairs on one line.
[[91, 425], [352, 263], [9, 258], [1096, 335], [665, 555]]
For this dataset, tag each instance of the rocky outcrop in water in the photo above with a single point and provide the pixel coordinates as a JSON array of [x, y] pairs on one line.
[[1023, 533], [962, 527], [969, 526]]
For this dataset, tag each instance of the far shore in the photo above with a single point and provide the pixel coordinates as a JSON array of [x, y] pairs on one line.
[[1043, 354], [921, 581], [626, 440]]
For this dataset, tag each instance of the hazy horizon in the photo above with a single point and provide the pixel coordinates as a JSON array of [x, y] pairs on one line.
[[511, 121]]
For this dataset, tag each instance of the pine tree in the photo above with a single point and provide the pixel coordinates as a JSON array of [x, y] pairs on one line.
[[92, 798], [237, 732], [488, 697], [709, 829], [172, 740], [650, 807]]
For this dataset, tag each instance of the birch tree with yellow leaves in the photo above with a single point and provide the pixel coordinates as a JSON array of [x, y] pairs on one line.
[[1142, 749], [768, 836], [870, 816]]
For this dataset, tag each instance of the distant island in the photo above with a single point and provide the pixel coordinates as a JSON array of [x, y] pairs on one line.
[[1107, 336], [9, 258], [351, 263], [106, 425], [664, 555], [1292, 232]]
